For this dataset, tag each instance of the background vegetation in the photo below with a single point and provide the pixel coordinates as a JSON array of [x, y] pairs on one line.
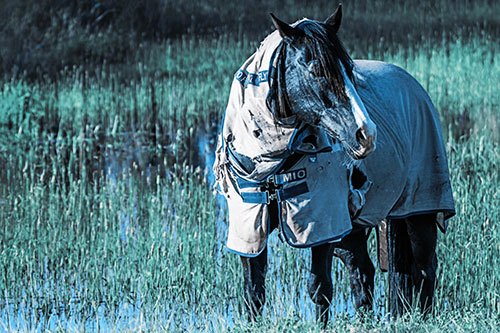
[[108, 112]]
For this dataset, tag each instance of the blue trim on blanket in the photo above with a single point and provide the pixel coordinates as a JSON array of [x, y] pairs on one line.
[[251, 255]]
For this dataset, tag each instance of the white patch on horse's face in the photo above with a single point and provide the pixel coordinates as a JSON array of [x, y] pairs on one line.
[[314, 103], [368, 143]]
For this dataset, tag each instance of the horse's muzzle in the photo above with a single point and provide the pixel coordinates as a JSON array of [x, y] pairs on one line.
[[366, 137]]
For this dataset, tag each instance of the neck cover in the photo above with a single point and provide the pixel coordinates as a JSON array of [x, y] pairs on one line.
[[311, 195], [250, 137]]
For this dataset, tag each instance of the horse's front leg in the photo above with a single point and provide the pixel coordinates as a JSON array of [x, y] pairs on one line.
[[320, 281], [254, 275], [353, 252]]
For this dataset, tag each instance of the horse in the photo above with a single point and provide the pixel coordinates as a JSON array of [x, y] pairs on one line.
[[388, 128]]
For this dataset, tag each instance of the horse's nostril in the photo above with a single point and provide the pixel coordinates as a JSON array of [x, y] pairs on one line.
[[366, 141], [360, 135]]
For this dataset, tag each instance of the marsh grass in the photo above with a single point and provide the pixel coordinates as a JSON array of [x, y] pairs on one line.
[[108, 220]]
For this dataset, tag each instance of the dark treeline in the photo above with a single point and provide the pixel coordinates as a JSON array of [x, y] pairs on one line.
[[42, 37]]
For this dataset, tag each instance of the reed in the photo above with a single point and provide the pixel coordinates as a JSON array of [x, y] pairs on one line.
[[108, 220]]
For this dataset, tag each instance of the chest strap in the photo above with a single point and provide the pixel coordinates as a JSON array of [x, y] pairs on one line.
[[266, 196], [272, 188]]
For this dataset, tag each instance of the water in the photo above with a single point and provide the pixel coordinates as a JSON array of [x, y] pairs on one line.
[[135, 159]]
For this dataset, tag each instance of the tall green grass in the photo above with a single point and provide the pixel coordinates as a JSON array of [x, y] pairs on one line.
[[107, 220]]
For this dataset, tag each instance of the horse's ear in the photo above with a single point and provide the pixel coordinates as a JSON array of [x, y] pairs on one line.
[[335, 19], [287, 32]]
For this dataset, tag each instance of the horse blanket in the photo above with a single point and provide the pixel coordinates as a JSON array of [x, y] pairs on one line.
[[408, 169]]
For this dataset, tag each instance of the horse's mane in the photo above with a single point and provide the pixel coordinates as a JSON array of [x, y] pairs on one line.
[[323, 44]]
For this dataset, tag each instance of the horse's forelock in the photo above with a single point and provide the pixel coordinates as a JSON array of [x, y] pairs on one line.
[[325, 46]]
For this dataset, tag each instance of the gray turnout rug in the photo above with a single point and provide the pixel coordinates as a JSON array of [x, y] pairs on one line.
[[409, 169]]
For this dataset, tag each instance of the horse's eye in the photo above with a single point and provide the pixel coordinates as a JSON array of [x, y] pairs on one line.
[[314, 68]]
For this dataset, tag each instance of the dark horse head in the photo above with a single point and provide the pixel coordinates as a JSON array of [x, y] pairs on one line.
[[314, 84]]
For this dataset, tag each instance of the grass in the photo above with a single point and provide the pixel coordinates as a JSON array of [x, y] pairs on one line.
[[108, 221]]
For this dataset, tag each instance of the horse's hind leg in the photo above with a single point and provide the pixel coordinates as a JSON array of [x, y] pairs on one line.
[[422, 232], [254, 275], [320, 281], [412, 262], [353, 252], [400, 259]]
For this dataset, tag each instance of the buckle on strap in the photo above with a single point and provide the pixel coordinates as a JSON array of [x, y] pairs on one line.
[[272, 187], [265, 197]]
